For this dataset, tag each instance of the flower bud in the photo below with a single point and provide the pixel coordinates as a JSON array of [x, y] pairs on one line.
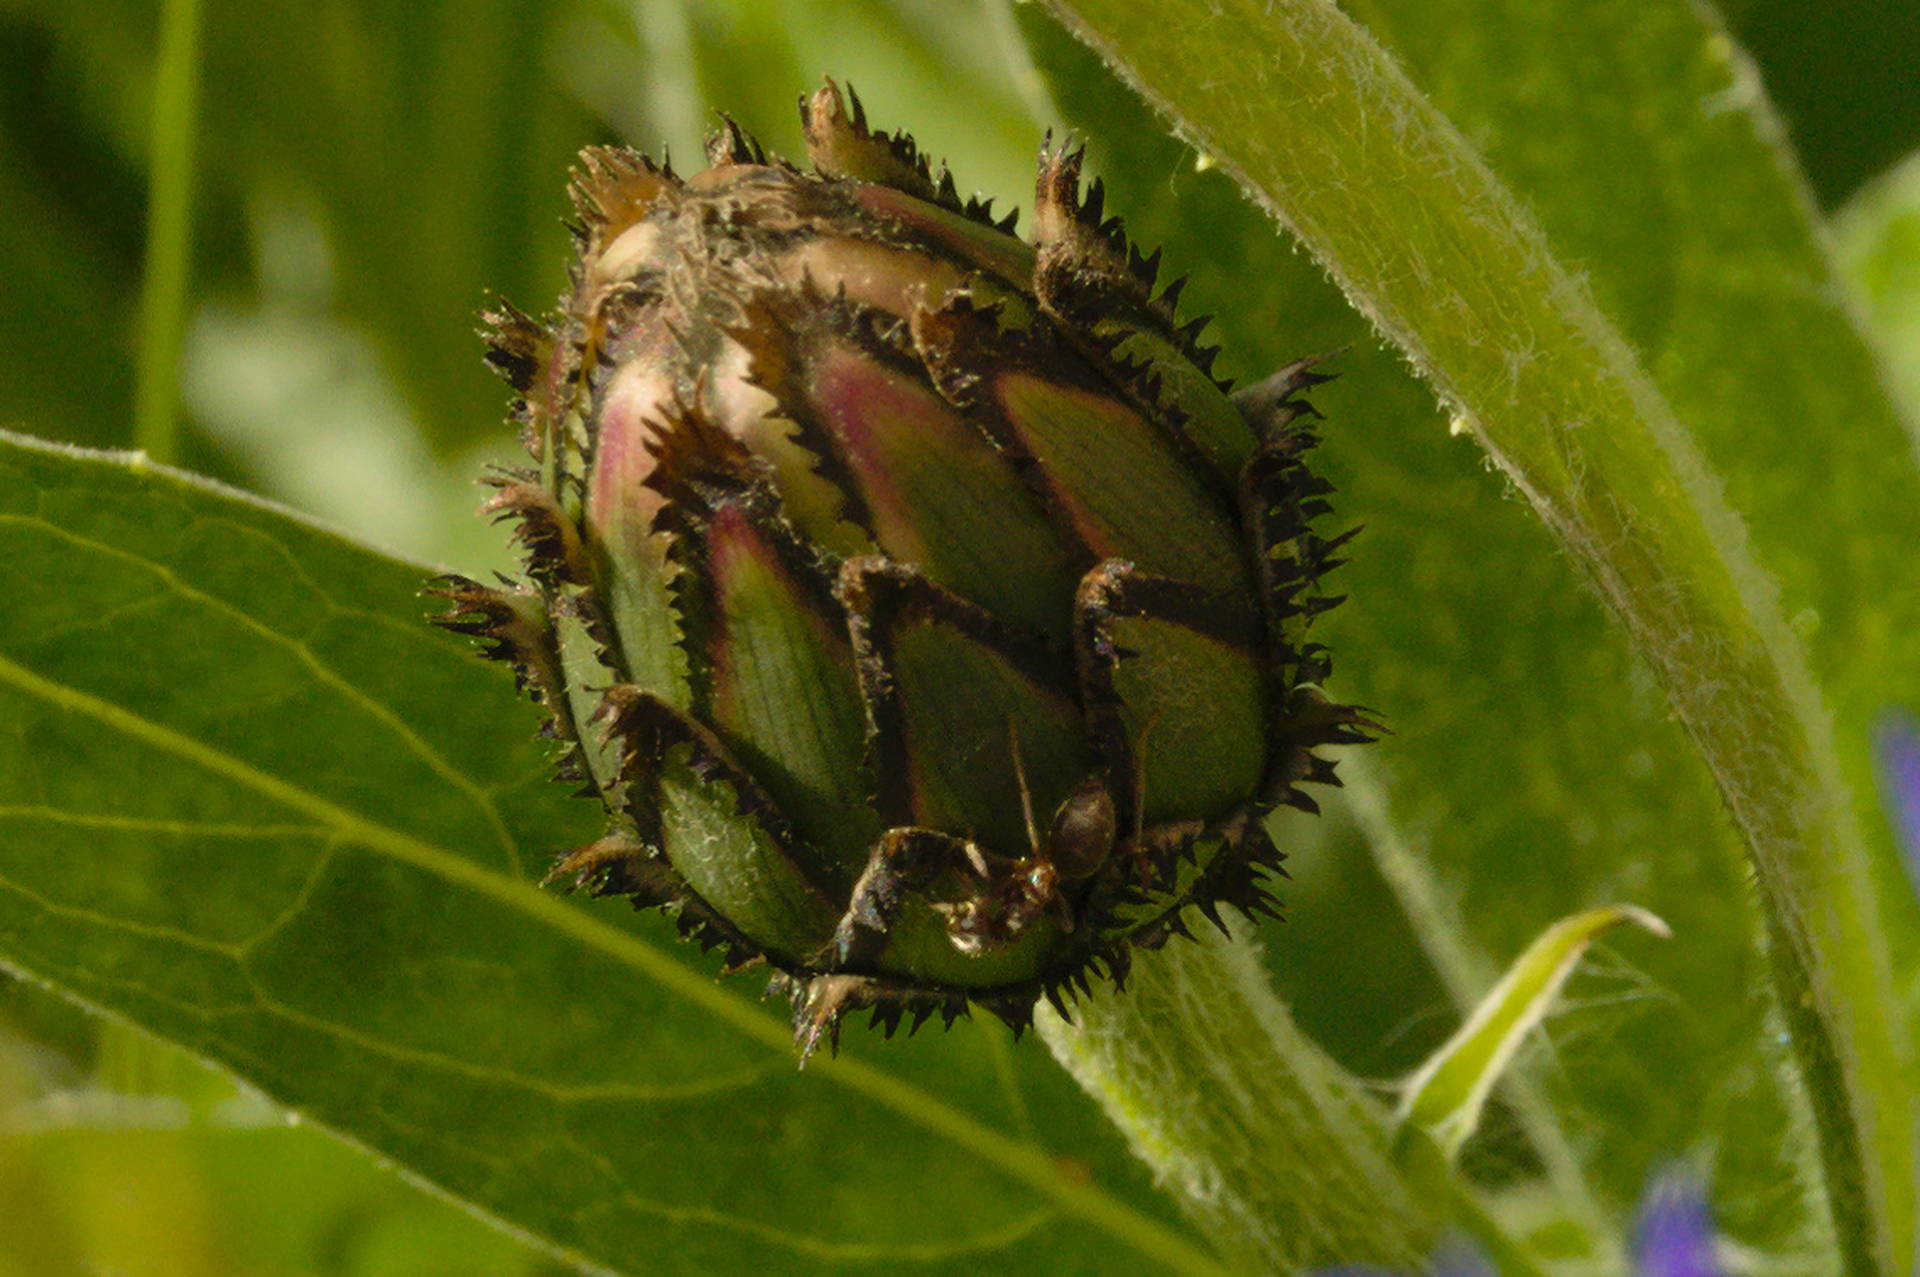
[[928, 617]]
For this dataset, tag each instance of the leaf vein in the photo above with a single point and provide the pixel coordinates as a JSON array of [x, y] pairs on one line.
[[1008, 1234], [156, 824], [324, 673]]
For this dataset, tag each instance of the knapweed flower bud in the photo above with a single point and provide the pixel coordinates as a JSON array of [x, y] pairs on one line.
[[929, 619]]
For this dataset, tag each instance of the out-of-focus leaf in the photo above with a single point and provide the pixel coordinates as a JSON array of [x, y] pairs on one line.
[[182, 1174], [1843, 76], [429, 141], [249, 802], [69, 254], [432, 144], [1445, 1095], [1535, 770], [935, 69], [1878, 237]]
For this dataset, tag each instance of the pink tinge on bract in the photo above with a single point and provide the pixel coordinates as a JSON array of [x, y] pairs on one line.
[[940, 495], [632, 413]]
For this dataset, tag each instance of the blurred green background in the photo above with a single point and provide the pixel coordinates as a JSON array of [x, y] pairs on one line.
[[364, 174]]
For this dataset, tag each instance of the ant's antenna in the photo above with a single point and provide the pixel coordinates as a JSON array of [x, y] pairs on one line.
[[1020, 776], [1140, 780]]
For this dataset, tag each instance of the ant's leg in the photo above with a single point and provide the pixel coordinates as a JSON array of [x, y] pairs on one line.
[[905, 859]]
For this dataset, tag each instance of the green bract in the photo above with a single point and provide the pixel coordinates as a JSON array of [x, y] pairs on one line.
[[930, 620]]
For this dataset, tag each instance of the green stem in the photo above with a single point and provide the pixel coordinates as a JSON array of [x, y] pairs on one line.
[[1318, 123], [163, 295], [1270, 1147]]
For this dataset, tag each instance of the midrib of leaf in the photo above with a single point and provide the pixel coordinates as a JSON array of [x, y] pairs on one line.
[[1315, 120], [1019, 1162]]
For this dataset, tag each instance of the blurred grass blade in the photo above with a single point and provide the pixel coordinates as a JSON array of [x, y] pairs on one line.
[[1445, 1095], [1327, 132], [251, 803], [163, 294]]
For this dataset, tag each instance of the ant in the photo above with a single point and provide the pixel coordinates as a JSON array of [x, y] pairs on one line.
[[1015, 891]]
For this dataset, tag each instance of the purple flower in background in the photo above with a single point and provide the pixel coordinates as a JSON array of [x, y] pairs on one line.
[[1674, 1235], [1896, 749]]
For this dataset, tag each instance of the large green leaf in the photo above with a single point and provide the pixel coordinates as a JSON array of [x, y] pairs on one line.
[[253, 805], [1535, 770]]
